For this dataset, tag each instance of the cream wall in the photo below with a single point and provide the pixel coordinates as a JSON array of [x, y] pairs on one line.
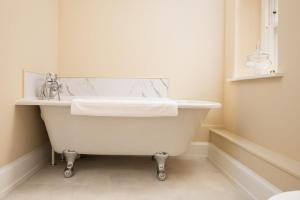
[[267, 112], [28, 38], [248, 29], [179, 40]]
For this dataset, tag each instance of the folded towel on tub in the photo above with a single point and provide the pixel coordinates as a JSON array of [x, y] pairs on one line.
[[125, 107]]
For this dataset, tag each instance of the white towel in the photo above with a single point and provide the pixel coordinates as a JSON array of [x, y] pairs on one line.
[[125, 107]]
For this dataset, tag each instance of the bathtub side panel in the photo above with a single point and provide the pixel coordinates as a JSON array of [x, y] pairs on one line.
[[121, 135]]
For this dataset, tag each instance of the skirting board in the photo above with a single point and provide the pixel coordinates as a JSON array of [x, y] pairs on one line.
[[21, 169], [196, 150], [254, 185]]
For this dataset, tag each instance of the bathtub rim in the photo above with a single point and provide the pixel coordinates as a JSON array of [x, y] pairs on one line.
[[186, 104]]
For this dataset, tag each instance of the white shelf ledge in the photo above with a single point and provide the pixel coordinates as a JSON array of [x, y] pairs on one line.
[[253, 77], [280, 161]]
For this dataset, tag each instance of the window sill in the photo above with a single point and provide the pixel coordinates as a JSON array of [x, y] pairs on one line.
[[253, 77]]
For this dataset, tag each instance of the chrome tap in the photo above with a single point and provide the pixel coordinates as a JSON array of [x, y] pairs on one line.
[[51, 89]]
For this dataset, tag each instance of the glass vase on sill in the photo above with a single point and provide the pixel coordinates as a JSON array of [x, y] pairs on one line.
[[259, 62]]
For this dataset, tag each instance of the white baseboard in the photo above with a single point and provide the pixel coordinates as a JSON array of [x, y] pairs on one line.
[[254, 185], [196, 150], [21, 169]]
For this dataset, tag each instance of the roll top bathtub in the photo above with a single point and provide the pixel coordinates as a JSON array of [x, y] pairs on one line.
[[154, 136]]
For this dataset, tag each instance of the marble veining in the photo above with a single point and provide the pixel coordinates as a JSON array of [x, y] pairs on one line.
[[99, 87], [32, 84]]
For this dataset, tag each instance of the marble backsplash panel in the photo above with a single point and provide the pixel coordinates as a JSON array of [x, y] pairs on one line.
[[32, 84], [114, 87], [99, 87]]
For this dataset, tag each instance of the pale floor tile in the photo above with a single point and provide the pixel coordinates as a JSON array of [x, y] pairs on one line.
[[128, 178]]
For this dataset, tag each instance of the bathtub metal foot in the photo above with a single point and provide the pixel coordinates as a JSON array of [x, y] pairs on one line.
[[68, 173], [161, 158], [70, 157]]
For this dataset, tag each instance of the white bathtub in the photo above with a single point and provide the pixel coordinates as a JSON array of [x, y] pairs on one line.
[[121, 135]]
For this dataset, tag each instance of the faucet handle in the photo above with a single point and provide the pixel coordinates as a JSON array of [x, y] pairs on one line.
[[51, 77]]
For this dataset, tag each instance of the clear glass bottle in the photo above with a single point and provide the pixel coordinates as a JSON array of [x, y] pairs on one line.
[[259, 62]]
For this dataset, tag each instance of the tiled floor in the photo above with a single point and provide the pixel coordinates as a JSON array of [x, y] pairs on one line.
[[129, 178]]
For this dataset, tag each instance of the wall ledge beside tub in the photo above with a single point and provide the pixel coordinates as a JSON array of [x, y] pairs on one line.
[[286, 164], [37, 102], [254, 77], [253, 185]]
